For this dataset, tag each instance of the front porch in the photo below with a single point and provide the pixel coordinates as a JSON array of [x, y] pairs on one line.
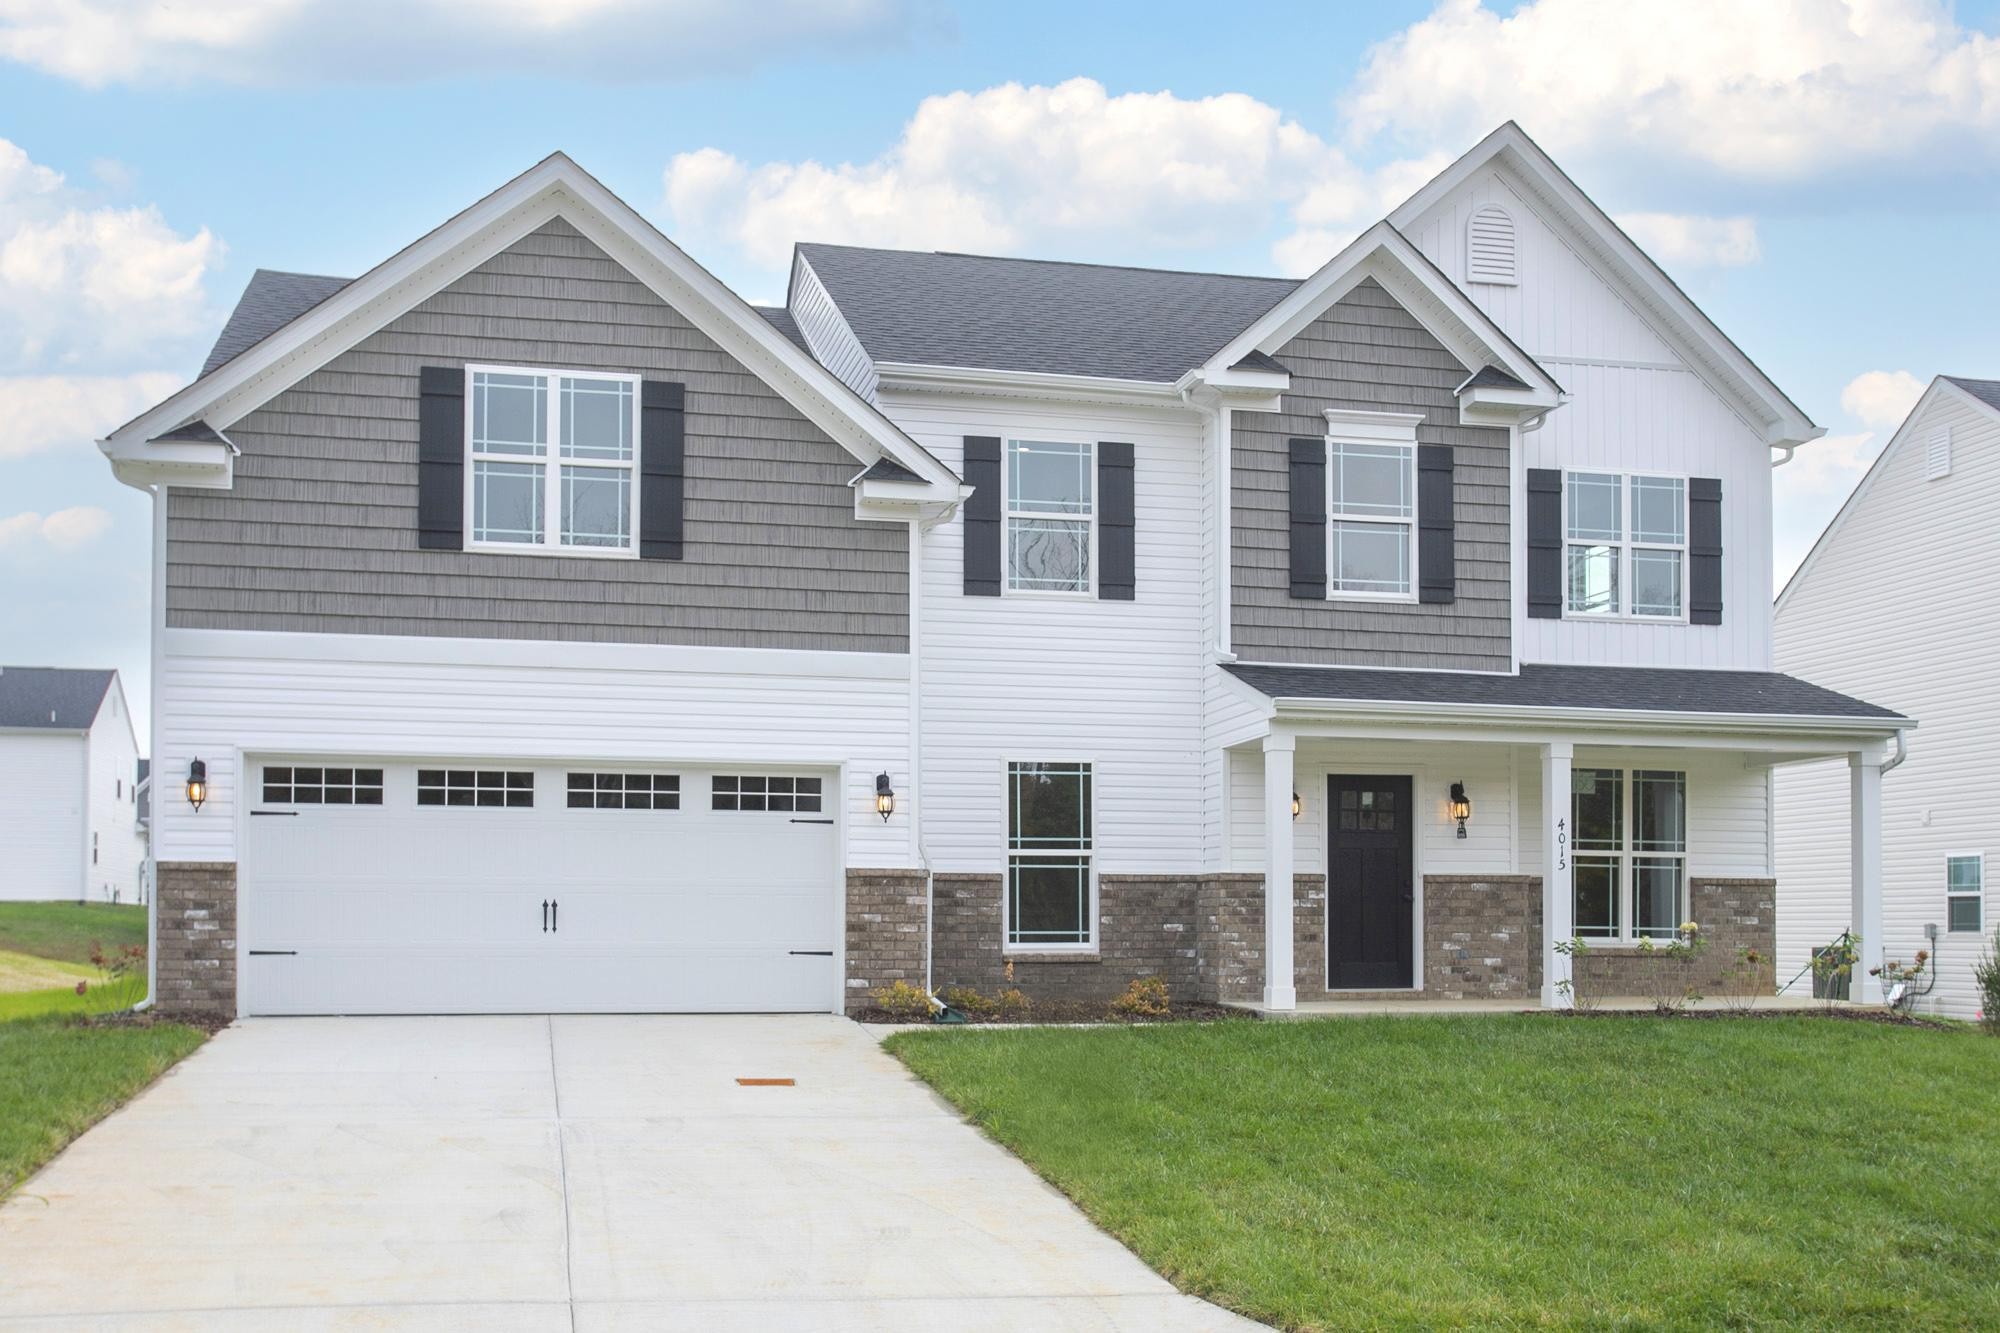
[[1403, 855]]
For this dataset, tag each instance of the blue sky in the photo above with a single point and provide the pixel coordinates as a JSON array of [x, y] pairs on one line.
[[1821, 177]]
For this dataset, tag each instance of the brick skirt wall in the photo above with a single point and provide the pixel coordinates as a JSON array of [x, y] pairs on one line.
[[196, 966]]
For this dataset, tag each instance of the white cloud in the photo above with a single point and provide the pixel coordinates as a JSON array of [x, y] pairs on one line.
[[1754, 90], [63, 531], [1881, 397], [82, 284], [284, 42], [55, 411], [1013, 167], [1691, 241]]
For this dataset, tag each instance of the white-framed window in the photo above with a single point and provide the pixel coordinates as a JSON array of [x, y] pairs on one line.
[[1050, 899], [1371, 519], [1051, 508], [551, 461], [1625, 551], [1629, 876], [1965, 893]]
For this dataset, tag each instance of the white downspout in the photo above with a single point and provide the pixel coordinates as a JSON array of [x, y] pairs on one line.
[[917, 739], [1902, 752], [156, 807]]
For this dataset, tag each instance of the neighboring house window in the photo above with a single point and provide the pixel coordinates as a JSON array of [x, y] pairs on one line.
[[624, 791], [1371, 518], [746, 792], [553, 460], [1051, 516], [1630, 873], [93, 847], [1964, 888], [289, 785], [487, 787], [1626, 553], [1049, 849], [119, 794]]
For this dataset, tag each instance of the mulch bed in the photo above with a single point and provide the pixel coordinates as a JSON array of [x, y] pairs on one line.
[[1084, 1011], [210, 1024], [1886, 1017]]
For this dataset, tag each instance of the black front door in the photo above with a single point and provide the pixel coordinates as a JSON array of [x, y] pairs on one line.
[[1369, 893]]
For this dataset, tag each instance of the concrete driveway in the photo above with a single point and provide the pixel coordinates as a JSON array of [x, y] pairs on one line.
[[525, 1173]]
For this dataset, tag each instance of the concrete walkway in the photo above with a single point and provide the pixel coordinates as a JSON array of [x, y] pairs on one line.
[[588, 1173]]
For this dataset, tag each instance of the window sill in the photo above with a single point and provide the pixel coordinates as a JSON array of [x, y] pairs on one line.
[[1624, 946], [1585, 618], [1052, 955], [1375, 598], [560, 552]]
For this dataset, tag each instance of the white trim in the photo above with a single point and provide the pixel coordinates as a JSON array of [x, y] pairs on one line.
[[1672, 312], [554, 187], [1091, 947], [1977, 895], [915, 377], [290, 646]]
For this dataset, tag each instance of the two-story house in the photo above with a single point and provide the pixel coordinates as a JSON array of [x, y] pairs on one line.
[[70, 827], [541, 627]]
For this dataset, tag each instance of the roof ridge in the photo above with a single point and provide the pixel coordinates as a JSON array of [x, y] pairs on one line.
[[1066, 263], [296, 273]]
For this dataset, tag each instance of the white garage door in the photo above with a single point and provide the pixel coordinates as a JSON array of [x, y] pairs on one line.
[[372, 887]]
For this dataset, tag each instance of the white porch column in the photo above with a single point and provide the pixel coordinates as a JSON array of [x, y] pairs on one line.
[[1279, 992], [1558, 904], [1864, 769]]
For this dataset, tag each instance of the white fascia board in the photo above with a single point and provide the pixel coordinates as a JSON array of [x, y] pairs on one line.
[[1672, 313], [1940, 387], [911, 377], [286, 645], [554, 187], [1666, 724], [1385, 254]]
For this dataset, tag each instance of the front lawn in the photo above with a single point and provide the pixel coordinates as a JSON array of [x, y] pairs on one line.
[[59, 1076], [66, 931], [1519, 1170]]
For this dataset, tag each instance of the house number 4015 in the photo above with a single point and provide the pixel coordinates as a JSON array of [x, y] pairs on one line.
[[1562, 844]]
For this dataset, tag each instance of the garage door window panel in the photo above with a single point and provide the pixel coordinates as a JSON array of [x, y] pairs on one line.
[[481, 787], [754, 792], [287, 784], [624, 791]]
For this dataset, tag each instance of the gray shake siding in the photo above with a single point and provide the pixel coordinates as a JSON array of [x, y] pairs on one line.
[[320, 531], [1368, 352]]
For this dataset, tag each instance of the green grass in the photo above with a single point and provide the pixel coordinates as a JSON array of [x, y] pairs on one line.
[[66, 931], [1519, 1171], [59, 1076], [99, 998]]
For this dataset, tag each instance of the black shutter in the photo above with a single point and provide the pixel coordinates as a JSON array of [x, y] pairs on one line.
[[662, 468], [1309, 518], [1116, 580], [1704, 551], [982, 516], [1437, 558], [1545, 543], [441, 458]]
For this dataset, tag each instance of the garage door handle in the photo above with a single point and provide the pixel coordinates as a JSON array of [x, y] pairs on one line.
[[275, 814], [545, 916], [812, 953], [555, 917], [812, 821]]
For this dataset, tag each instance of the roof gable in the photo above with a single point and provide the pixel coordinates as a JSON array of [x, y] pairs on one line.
[[1534, 177], [51, 698], [555, 187]]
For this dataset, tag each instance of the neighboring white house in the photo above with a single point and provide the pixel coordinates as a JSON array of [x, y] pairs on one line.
[[1892, 603], [69, 776]]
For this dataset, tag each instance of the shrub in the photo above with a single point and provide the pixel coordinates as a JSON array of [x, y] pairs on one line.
[[904, 1002], [1744, 975], [1146, 997], [1986, 975], [1834, 964], [1012, 1005], [1576, 950], [1894, 974], [968, 1000]]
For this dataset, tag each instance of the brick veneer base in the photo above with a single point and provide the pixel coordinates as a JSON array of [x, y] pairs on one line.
[[885, 931], [1147, 926], [196, 902], [1732, 914]]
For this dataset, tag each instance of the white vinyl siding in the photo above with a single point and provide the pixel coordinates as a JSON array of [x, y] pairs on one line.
[[1848, 622], [42, 816], [826, 331]]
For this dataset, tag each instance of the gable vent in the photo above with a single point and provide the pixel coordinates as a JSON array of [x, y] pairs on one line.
[[1937, 458], [1489, 246]]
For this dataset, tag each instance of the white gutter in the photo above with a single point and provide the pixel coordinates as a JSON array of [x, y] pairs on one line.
[[1902, 751]]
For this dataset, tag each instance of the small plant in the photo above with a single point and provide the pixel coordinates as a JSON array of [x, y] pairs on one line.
[[1576, 950], [1146, 997], [1834, 964], [904, 1002], [1744, 976], [1673, 985], [1895, 974], [1012, 1005], [1986, 976], [116, 971], [968, 1000]]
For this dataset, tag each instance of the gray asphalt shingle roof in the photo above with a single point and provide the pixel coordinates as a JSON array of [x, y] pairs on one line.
[[1636, 689], [781, 319], [271, 300], [1038, 315], [58, 698], [1986, 391]]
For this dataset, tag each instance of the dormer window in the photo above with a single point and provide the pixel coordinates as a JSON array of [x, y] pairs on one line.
[[1489, 247]]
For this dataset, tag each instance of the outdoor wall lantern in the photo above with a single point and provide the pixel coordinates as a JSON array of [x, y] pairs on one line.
[[197, 784], [1461, 806], [1296, 807], [885, 797]]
